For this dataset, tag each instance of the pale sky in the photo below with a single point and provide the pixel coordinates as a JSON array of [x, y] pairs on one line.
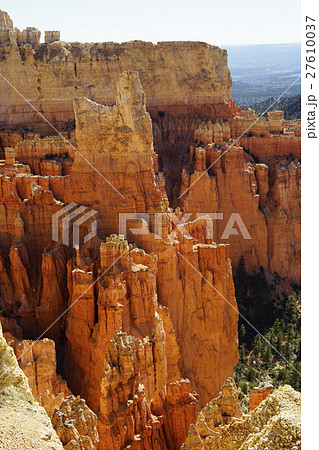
[[218, 22]]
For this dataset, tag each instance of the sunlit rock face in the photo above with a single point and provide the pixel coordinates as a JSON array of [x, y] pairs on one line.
[[274, 422], [121, 136], [53, 73], [140, 321]]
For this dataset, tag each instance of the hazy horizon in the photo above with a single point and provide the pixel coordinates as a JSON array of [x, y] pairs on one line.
[[222, 24]]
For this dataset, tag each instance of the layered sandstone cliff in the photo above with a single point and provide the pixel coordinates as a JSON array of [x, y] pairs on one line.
[[92, 71], [120, 171], [176, 261], [23, 423], [37, 359], [143, 316], [255, 201], [150, 354], [75, 424]]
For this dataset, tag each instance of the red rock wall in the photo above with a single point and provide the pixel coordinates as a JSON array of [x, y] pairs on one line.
[[52, 75], [270, 146], [37, 359], [48, 156], [266, 196]]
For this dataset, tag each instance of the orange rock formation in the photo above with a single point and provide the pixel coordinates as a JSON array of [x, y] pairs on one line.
[[35, 65], [258, 395], [75, 424], [143, 317], [224, 179], [220, 411], [37, 359]]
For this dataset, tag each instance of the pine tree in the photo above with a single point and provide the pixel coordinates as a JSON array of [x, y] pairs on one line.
[[291, 310], [287, 352], [271, 335], [290, 332], [268, 355], [244, 388], [279, 344], [283, 326], [242, 353], [251, 374], [242, 333], [294, 377], [257, 346], [276, 326], [298, 358], [283, 375]]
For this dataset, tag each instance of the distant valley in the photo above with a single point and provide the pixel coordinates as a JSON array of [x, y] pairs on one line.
[[262, 71]]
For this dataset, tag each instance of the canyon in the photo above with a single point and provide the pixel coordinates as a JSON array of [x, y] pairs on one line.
[[126, 333]]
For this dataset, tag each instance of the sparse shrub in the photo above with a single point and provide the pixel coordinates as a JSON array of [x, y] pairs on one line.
[[244, 388], [241, 333], [153, 335]]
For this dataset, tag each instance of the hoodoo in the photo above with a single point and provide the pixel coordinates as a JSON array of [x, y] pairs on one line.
[[126, 329]]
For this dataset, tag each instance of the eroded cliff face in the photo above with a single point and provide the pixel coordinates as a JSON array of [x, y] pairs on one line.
[[254, 196], [195, 284], [144, 326], [52, 74], [37, 359], [118, 360], [127, 343], [73, 423], [121, 137], [184, 83], [274, 423], [32, 427]]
